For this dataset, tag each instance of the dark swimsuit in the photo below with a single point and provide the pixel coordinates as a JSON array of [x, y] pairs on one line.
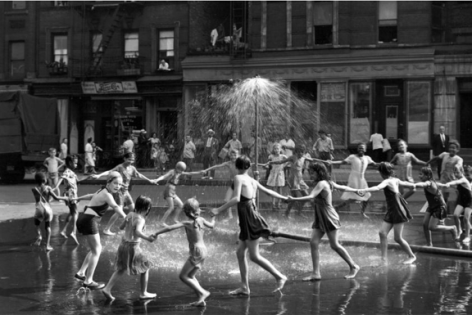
[[436, 203], [397, 210], [87, 224], [464, 197]]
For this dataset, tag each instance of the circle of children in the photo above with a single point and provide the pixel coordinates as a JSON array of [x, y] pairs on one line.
[[131, 259]]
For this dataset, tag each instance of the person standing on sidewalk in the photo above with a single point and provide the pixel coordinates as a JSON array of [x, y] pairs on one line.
[[89, 162], [63, 153], [323, 148], [188, 154], [209, 153], [234, 144], [440, 144]]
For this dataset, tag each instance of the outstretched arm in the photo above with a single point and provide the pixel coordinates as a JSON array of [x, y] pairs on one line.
[[84, 197], [139, 175], [58, 183], [210, 224], [169, 228], [270, 192], [234, 199], [459, 181], [406, 184], [97, 176], [58, 197], [417, 161], [318, 188], [212, 168], [139, 233], [433, 159], [289, 159], [380, 186], [344, 188], [165, 176]]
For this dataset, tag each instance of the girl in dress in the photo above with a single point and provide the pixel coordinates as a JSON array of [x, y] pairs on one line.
[[130, 257], [464, 199], [326, 221], [198, 250], [403, 161], [173, 201], [252, 225], [155, 156], [276, 178], [397, 211], [231, 167], [436, 210], [359, 163]]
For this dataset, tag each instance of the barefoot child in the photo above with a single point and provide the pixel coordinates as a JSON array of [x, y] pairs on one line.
[[397, 211], [53, 165], [71, 192], [403, 161], [326, 221], [42, 194], [198, 250], [230, 166], [276, 179], [464, 199], [253, 226], [130, 257], [436, 210], [173, 201]]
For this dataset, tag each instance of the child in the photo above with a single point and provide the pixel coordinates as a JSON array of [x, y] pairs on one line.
[[42, 194], [359, 163], [163, 159], [436, 210], [173, 177], [323, 147], [198, 250], [233, 155], [130, 257], [276, 178], [71, 192], [154, 155], [53, 165], [403, 160], [296, 183], [397, 211], [464, 199], [326, 221]]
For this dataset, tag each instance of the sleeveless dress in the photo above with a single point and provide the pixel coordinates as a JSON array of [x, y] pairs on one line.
[[171, 185], [356, 178], [130, 257], [464, 198], [436, 203], [326, 218], [397, 210], [277, 175], [251, 223]]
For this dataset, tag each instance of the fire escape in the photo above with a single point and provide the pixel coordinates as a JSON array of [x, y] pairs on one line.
[[239, 30]]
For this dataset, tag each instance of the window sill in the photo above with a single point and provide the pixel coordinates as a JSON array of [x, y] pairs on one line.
[[17, 12]]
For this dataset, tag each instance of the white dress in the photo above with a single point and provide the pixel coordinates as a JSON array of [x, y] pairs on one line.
[[356, 177], [276, 175]]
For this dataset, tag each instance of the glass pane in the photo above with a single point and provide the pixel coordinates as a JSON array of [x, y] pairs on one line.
[[18, 5], [60, 42], [333, 111], [359, 110], [323, 13], [18, 51], [166, 34], [166, 44], [17, 68], [387, 10], [96, 40], [419, 99]]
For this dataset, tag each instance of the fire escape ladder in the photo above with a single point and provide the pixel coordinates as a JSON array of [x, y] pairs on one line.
[[240, 40]]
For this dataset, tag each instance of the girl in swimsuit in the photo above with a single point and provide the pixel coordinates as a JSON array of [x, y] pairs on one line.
[[464, 199], [87, 224], [252, 225]]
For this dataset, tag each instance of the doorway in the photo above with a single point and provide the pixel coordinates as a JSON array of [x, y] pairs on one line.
[[389, 111], [464, 120]]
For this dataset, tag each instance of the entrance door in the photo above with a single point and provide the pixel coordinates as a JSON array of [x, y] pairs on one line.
[[389, 110], [168, 125], [465, 135]]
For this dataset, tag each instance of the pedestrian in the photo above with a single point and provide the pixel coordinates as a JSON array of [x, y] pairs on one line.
[[128, 145], [188, 154], [209, 153], [130, 258], [88, 225], [96, 148], [163, 159], [197, 249], [440, 144], [377, 146], [234, 144], [89, 162], [276, 180], [53, 164], [64, 149], [324, 148]]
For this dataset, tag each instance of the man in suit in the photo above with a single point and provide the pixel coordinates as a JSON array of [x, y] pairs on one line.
[[210, 147], [440, 144]]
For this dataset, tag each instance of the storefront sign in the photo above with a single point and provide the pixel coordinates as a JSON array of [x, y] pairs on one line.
[[89, 87]]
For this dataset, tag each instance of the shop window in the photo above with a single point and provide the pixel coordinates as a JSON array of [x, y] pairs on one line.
[[60, 53], [18, 5], [17, 59], [166, 47], [387, 22], [418, 100], [131, 40], [323, 22], [360, 106], [333, 110]]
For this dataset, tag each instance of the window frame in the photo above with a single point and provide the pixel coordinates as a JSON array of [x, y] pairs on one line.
[[53, 50], [385, 25], [169, 59], [12, 60], [25, 5], [320, 26], [136, 52]]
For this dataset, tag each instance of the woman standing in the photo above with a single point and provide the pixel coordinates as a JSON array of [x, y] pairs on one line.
[[89, 162]]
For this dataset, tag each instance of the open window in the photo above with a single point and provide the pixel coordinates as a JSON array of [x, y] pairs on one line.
[[388, 22], [323, 22]]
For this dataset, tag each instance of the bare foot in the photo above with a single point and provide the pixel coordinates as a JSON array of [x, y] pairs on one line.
[[240, 291], [37, 242], [108, 295], [312, 277], [74, 237], [147, 296], [63, 233], [201, 301], [410, 260], [353, 272], [280, 284], [455, 235], [49, 248]]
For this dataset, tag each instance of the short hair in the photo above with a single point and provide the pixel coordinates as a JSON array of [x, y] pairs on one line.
[[321, 170], [89, 140], [40, 178], [190, 208], [128, 155], [456, 143], [112, 175], [401, 140], [243, 162], [300, 148], [386, 169], [362, 143], [427, 171], [52, 150], [276, 145], [70, 161], [233, 151], [181, 165], [143, 204]]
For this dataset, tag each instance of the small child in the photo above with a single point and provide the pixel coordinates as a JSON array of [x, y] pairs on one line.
[[436, 210], [154, 155], [173, 177], [198, 250], [53, 165], [464, 199], [276, 180], [42, 194], [397, 211], [130, 257], [403, 161]]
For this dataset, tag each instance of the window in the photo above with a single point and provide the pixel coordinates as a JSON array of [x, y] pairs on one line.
[[360, 99], [387, 21], [18, 5], [131, 45], [61, 3], [437, 24], [96, 42], [17, 59], [166, 47], [419, 115], [332, 110], [323, 22], [60, 48]]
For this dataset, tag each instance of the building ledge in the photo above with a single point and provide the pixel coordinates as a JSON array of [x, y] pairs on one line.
[[50, 80]]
